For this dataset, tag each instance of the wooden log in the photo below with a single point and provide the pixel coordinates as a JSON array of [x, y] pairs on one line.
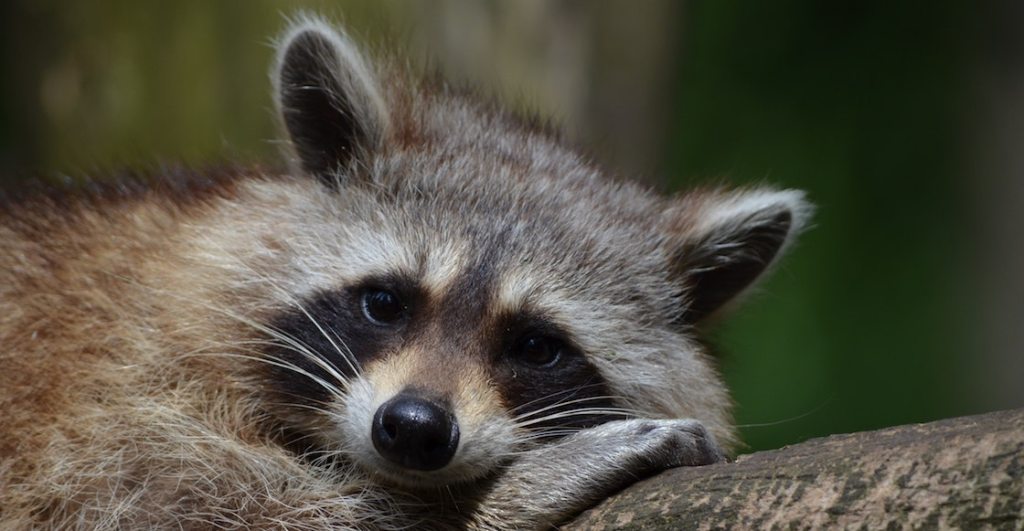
[[961, 473]]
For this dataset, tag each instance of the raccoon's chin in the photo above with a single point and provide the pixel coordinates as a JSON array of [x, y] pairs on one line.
[[455, 473], [458, 472]]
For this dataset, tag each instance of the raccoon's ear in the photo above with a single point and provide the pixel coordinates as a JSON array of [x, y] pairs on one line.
[[723, 242], [327, 98]]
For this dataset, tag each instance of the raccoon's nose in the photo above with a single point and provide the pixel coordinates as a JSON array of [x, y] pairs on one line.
[[415, 433]]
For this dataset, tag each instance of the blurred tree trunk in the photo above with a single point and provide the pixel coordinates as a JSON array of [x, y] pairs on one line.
[[959, 473], [604, 70]]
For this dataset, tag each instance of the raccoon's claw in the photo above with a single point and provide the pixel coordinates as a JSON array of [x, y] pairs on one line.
[[678, 443], [549, 484]]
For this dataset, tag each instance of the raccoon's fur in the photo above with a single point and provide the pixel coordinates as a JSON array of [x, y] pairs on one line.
[[441, 317]]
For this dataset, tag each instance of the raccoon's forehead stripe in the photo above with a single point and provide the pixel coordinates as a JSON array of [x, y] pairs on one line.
[[514, 288], [372, 251], [376, 251], [444, 264], [519, 290]]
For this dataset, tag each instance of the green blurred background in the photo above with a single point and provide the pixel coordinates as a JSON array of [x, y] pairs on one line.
[[902, 120]]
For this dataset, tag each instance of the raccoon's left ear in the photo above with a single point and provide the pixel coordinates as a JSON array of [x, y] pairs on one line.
[[327, 98], [723, 242]]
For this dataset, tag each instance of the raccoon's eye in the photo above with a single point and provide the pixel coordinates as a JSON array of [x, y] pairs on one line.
[[382, 307], [539, 351]]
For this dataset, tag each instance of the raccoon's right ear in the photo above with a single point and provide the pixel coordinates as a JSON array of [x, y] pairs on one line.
[[722, 242], [327, 98]]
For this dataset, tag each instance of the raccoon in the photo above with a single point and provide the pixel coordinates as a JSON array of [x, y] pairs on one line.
[[440, 317]]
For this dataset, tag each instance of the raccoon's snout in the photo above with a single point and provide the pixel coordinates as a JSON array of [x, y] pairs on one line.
[[415, 433]]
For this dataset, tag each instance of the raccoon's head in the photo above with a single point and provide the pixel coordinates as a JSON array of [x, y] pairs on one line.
[[474, 287]]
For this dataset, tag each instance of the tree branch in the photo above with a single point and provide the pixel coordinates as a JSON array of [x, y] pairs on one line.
[[958, 473]]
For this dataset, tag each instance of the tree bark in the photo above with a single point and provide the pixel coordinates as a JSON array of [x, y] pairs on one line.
[[965, 473]]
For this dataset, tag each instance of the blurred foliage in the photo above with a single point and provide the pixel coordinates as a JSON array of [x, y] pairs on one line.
[[860, 103], [94, 85]]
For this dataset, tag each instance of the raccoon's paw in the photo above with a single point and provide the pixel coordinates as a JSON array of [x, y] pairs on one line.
[[552, 483], [663, 444]]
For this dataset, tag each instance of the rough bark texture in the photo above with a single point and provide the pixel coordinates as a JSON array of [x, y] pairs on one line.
[[965, 473]]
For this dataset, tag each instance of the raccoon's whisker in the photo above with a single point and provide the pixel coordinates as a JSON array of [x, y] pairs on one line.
[[345, 353], [261, 356], [570, 391], [301, 347], [576, 413], [547, 434], [794, 418], [552, 408], [305, 352], [559, 404], [334, 390]]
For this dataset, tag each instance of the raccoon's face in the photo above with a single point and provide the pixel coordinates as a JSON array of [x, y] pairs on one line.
[[488, 290]]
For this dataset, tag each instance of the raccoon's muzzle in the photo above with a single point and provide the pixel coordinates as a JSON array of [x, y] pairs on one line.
[[415, 433]]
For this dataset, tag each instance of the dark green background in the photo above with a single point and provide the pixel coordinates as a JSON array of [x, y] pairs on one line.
[[869, 322], [860, 104]]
